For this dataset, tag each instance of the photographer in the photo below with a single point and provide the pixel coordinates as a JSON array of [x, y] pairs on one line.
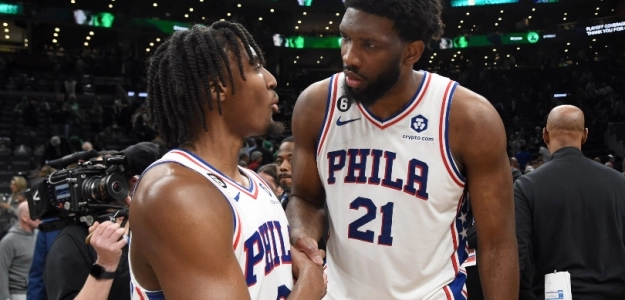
[[98, 270]]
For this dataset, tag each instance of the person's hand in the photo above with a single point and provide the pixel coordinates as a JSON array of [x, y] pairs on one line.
[[105, 239], [309, 246], [309, 272]]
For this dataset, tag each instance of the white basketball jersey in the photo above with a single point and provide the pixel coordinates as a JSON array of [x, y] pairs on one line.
[[261, 233], [395, 198]]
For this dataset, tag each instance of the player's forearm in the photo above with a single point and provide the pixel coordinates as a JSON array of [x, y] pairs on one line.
[[499, 269], [95, 289], [305, 219]]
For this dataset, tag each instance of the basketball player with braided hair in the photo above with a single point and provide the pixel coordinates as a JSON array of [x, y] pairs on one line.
[[399, 154], [203, 228]]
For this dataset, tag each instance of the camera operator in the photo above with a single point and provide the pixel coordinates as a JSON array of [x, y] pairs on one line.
[[98, 270]]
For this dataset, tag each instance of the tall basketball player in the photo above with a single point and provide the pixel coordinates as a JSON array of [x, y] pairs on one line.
[[398, 154], [203, 228]]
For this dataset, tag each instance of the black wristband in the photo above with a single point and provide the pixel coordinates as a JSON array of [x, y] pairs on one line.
[[98, 272]]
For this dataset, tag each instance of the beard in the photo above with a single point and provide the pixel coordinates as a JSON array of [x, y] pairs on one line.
[[374, 90]]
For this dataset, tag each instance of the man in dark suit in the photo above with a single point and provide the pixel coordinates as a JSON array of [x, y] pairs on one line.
[[570, 216]]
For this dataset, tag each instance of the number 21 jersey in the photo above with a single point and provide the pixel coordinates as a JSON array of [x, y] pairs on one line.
[[396, 201]]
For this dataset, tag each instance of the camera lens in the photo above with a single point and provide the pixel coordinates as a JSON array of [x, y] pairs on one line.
[[113, 187]]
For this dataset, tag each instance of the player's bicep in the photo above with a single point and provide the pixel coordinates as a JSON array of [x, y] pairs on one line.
[[489, 177], [193, 259], [308, 118]]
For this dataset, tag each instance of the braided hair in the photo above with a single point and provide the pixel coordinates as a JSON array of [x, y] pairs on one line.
[[186, 69]]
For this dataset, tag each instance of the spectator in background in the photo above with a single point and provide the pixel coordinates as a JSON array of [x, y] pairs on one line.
[[96, 113], [86, 146], [243, 156], [74, 115], [16, 254], [270, 175], [59, 117], [523, 156], [571, 194], [255, 160], [8, 207], [285, 152], [57, 147]]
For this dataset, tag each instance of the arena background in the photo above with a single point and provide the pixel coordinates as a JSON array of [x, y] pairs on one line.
[[525, 56]]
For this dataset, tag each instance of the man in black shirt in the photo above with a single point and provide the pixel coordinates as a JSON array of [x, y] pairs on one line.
[[98, 270], [570, 216]]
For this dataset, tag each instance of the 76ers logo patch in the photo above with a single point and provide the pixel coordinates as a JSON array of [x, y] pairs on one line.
[[217, 180]]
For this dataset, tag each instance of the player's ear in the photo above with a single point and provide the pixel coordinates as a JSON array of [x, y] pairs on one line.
[[413, 52]]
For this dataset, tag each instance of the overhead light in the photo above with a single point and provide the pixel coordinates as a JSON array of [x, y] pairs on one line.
[[222, 20], [297, 57], [338, 14], [296, 27], [73, 1], [304, 13], [327, 28], [271, 10], [494, 50], [88, 38], [568, 44], [496, 24], [287, 84], [501, 11], [566, 50], [320, 57], [594, 40], [318, 62], [86, 44], [499, 19], [485, 57], [461, 21], [299, 21], [596, 14], [565, 14], [151, 44], [191, 9], [228, 14], [55, 34], [57, 29], [203, 18], [91, 33], [5, 24], [260, 18], [155, 4], [597, 8], [158, 39], [518, 48], [564, 19], [54, 41], [330, 22], [7, 36], [186, 15], [434, 53], [533, 9], [147, 49], [453, 59], [110, 5], [295, 61], [455, 55], [508, 55], [529, 17], [6, 30], [459, 26], [239, 5], [25, 40], [467, 13], [430, 61]]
